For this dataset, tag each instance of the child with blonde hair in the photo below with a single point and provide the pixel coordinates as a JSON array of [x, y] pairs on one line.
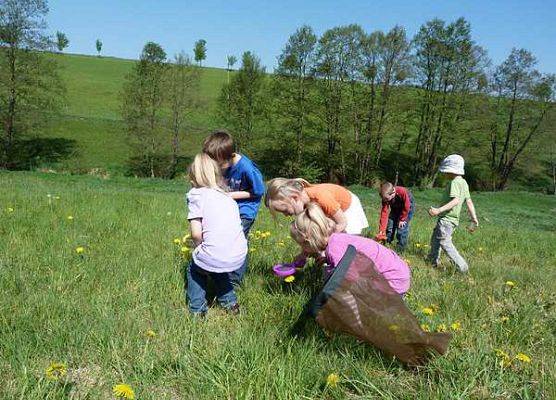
[[317, 235], [220, 245], [292, 196]]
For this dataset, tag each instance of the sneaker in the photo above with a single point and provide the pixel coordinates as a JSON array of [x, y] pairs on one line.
[[234, 310], [199, 315]]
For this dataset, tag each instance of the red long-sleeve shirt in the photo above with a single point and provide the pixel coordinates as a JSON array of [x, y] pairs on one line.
[[400, 204]]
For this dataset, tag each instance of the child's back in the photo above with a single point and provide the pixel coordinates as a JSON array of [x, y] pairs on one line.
[[224, 246]]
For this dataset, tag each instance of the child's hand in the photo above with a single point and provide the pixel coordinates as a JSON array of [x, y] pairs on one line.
[[380, 237], [402, 224], [433, 212]]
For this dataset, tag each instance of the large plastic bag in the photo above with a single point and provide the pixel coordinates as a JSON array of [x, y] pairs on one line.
[[357, 300]]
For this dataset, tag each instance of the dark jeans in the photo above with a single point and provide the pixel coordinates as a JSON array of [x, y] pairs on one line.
[[237, 276], [197, 289], [402, 235]]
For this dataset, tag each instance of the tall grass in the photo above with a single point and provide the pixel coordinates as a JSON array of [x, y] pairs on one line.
[[92, 311]]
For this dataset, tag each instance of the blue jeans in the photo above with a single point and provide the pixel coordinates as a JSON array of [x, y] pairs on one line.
[[237, 275], [197, 289], [402, 235]]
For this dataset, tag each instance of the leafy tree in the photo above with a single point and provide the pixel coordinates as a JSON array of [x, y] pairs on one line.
[[231, 60], [30, 87], [143, 96], [200, 51], [241, 103], [98, 45], [338, 68], [448, 65], [183, 98], [294, 95], [524, 98], [62, 41]]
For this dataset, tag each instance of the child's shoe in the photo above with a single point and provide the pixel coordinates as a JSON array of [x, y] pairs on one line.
[[234, 310]]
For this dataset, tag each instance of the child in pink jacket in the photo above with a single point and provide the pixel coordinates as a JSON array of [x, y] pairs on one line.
[[316, 235]]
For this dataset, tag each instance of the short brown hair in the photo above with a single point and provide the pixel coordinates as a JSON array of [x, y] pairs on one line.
[[219, 145], [385, 188]]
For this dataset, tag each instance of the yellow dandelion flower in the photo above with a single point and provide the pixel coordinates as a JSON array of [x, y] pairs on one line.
[[289, 279], [504, 318], [123, 391], [504, 357], [70, 217], [425, 327], [441, 328], [456, 326], [435, 307], [523, 358], [332, 380], [418, 245], [252, 249], [56, 371], [394, 328], [281, 243], [480, 249], [177, 241], [510, 284], [150, 334], [185, 250], [80, 250], [427, 311], [11, 209], [185, 238]]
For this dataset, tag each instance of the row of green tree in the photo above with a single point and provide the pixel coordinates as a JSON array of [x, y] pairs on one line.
[[356, 106]]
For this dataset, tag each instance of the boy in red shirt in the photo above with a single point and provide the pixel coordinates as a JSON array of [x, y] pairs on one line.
[[396, 213]]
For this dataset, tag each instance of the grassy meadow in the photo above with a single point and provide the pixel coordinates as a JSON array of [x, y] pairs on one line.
[[91, 278]]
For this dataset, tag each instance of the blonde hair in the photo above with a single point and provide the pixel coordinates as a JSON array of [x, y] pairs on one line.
[[283, 188], [205, 172], [312, 228]]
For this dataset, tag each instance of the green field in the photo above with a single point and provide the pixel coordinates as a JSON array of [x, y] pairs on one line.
[[92, 311], [91, 116]]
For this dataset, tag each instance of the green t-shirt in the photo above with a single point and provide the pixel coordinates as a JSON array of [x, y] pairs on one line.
[[457, 187]]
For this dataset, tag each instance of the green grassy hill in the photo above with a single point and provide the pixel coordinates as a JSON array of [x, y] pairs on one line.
[[91, 117], [116, 312]]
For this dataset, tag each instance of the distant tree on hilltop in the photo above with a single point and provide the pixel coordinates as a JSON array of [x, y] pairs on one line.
[[200, 51], [62, 41], [98, 45]]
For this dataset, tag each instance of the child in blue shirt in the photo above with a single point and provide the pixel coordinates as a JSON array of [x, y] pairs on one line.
[[244, 180]]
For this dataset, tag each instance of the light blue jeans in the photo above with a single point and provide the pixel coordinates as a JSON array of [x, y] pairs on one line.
[[197, 289]]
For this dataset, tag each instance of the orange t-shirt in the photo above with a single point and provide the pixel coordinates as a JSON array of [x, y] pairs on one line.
[[329, 197]]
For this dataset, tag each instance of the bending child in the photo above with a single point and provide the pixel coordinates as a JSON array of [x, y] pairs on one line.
[[397, 210], [244, 181], [220, 245], [292, 196], [457, 192], [318, 236]]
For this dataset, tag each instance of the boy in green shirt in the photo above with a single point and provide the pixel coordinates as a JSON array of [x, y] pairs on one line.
[[457, 192]]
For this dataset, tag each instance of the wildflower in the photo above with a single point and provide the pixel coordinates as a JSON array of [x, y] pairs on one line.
[[332, 380], [70, 217], [427, 311], [80, 250], [523, 357], [150, 334], [123, 391], [394, 328], [510, 284], [185, 250], [56, 371], [418, 245], [10, 209], [505, 359], [407, 261], [177, 241], [252, 249], [441, 328], [185, 238], [289, 279], [425, 327], [49, 195], [435, 307], [456, 326], [480, 249], [281, 243], [168, 213], [504, 318]]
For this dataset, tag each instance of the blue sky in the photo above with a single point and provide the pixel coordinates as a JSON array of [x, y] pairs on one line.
[[234, 26]]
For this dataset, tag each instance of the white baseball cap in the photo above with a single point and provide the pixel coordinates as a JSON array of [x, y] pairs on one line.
[[453, 164]]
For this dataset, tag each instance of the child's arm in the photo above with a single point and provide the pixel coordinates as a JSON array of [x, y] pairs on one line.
[[383, 222], [406, 208], [254, 181], [433, 212], [341, 222], [196, 231], [471, 211], [239, 195]]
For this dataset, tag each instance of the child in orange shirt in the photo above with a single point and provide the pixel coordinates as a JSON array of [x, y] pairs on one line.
[[291, 197]]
